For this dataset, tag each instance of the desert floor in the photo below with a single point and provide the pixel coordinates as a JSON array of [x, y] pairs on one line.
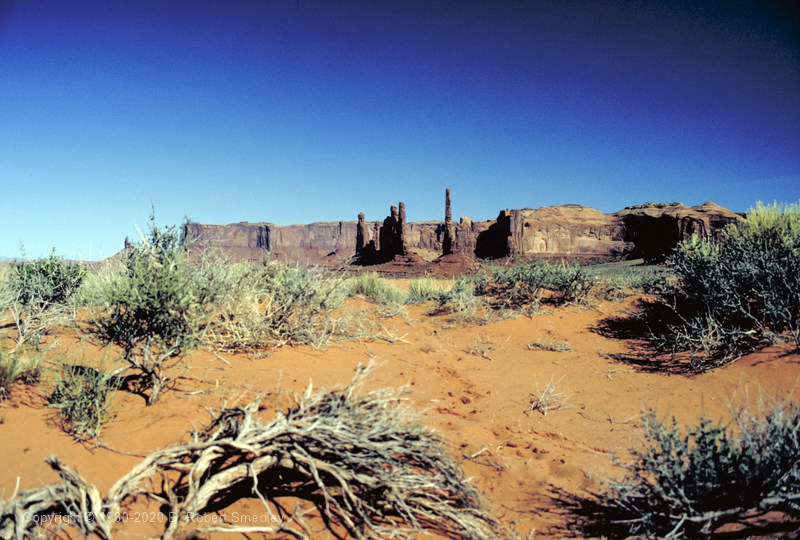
[[471, 383]]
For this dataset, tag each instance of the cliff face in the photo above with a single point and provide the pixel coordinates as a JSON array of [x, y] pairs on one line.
[[647, 231], [250, 241]]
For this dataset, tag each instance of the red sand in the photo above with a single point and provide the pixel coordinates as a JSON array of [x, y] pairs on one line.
[[478, 404]]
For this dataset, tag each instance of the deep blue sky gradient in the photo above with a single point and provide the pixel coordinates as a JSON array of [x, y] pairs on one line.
[[226, 111]]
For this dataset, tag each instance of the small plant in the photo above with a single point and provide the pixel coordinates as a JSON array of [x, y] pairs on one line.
[[462, 302], [423, 290], [377, 289], [18, 367], [548, 399], [481, 346], [83, 396], [548, 345]]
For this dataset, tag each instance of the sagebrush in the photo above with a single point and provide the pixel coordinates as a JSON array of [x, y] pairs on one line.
[[687, 483], [739, 293]]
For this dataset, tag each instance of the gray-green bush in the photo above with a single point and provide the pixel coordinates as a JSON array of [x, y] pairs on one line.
[[521, 287], [158, 310], [526, 283], [82, 395], [37, 296], [740, 293], [688, 483]]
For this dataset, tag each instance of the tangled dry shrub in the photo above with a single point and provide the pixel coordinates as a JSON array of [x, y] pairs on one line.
[[361, 458]]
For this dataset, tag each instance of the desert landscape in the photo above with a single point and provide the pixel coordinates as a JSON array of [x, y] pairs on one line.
[[452, 269], [187, 394]]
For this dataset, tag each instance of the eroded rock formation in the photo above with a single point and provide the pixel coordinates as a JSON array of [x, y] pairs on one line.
[[646, 231], [362, 235], [389, 240]]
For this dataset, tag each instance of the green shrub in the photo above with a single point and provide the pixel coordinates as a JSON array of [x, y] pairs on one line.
[[37, 296], [46, 281], [735, 295], [685, 484], [159, 309], [83, 396], [526, 283]]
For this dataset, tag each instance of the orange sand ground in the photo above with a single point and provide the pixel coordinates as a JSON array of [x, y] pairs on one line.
[[477, 403]]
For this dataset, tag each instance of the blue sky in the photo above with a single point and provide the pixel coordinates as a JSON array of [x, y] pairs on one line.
[[266, 110]]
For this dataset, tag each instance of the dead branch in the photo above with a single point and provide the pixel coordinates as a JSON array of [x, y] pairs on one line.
[[361, 458]]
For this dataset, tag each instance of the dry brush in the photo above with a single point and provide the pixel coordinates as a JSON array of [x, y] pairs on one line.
[[359, 460]]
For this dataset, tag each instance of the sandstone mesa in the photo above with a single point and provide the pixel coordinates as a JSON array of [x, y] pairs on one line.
[[647, 231]]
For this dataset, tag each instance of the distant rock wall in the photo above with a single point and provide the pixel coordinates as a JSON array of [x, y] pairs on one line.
[[250, 241], [646, 231]]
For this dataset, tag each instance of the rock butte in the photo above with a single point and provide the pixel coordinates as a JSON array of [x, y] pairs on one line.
[[647, 231]]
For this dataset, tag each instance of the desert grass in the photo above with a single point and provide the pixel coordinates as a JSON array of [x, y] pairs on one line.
[[83, 396], [99, 279], [25, 367], [425, 289], [481, 346], [548, 398], [360, 458], [264, 308], [377, 289]]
